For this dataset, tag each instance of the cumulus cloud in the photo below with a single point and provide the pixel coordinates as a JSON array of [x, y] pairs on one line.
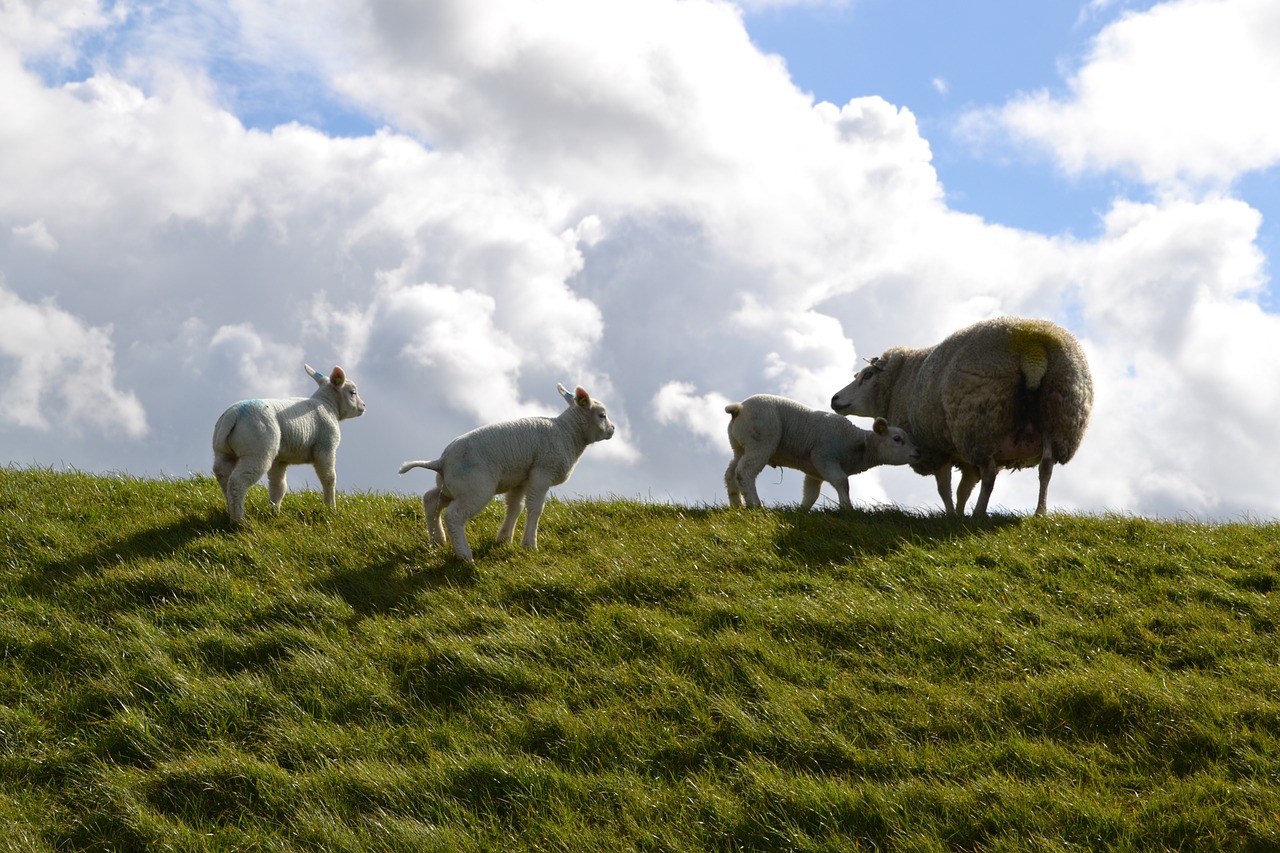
[[60, 372], [1182, 93], [624, 195]]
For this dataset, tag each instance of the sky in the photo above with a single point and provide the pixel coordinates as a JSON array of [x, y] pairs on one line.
[[673, 203]]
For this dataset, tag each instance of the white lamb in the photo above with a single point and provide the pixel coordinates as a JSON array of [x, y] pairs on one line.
[[520, 459], [769, 430], [256, 437]]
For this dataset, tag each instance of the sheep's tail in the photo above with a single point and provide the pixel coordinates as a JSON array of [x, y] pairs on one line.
[[733, 408], [1032, 343], [433, 464]]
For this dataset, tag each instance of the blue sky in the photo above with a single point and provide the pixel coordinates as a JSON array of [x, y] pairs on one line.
[[464, 204]]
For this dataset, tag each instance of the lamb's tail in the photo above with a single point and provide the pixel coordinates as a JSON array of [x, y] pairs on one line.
[[433, 464], [222, 431], [733, 408]]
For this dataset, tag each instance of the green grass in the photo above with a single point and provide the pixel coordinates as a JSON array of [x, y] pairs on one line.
[[655, 678]]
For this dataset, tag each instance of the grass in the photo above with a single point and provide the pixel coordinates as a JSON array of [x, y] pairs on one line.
[[655, 678]]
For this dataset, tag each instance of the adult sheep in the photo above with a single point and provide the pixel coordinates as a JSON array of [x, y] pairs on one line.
[[256, 437], [768, 430], [520, 459], [1002, 393]]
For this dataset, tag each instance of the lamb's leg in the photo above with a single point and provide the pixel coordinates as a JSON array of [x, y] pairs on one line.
[[989, 472], [731, 482], [223, 465], [248, 471], [943, 476], [433, 502], [515, 504], [749, 468], [535, 498], [456, 516], [969, 477], [276, 485], [812, 487], [1046, 471], [831, 473], [327, 472]]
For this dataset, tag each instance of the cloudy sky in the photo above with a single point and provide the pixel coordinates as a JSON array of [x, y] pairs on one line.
[[675, 203]]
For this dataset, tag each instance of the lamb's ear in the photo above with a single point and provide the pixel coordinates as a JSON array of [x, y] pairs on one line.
[[581, 397], [881, 426], [564, 392], [337, 377], [319, 377]]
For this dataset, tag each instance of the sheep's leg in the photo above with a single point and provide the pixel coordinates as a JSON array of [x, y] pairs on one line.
[[1046, 471], [276, 485], [433, 502], [989, 472], [731, 482], [248, 471], [515, 505], [969, 477], [943, 476]]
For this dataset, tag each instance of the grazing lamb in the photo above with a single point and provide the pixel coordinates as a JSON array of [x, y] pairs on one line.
[[1002, 393], [256, 437], [520, 459], [769, 430]]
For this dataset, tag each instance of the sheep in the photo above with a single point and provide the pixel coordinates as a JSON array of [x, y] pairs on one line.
[[769, 430], [1008, 392], [256, 437], [520, 459]]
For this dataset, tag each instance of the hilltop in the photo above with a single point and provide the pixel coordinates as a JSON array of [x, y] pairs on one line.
[[655, 678]]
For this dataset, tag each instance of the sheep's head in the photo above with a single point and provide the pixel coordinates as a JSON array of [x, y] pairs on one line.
[[598, 425], [894, 445], [867, 395], [344, 390]]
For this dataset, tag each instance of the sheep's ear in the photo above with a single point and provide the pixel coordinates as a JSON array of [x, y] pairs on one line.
[[881, 426], [337, 377], [581, 397], [564, 392], [319, 377]]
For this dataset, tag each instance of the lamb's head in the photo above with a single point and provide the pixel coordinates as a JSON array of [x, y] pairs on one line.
[[344, 391], [893, 445], [868, 394], [597, 426]]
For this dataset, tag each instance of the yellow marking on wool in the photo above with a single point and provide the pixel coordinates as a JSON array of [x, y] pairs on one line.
[[1032, 342]]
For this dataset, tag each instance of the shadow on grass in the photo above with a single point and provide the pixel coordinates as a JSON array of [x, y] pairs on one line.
[[832, 535], [394, 582], [152, 543]]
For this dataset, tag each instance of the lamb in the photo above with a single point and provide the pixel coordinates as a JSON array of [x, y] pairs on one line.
[[1008, 392], [769, 430], [520, 459], [256, 437]]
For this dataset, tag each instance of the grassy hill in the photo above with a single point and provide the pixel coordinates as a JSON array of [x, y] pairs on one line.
[[655, 678]]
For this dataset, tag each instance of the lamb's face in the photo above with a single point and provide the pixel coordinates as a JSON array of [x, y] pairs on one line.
[[896, 446], [601, 427], [349, 403]]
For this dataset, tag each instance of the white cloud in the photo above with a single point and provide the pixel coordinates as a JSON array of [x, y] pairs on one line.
[[1183, 93], [36, 235], [60, 372]]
